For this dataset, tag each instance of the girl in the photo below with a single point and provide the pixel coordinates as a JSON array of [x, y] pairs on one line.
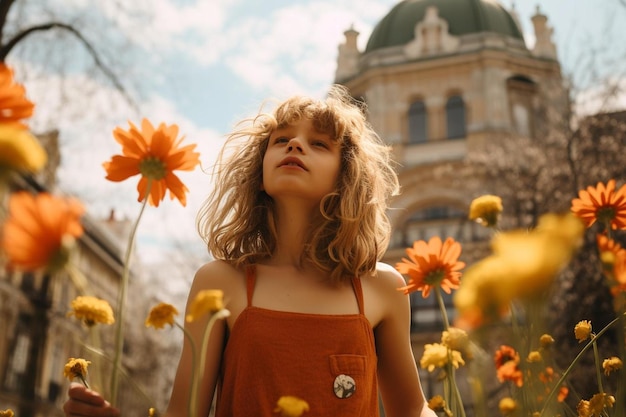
[[297, 224]]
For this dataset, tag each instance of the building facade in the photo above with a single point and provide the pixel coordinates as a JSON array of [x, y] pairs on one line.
[[442, 81]]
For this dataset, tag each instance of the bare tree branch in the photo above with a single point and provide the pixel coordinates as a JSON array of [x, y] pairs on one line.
[[5, 6], [5, 49]]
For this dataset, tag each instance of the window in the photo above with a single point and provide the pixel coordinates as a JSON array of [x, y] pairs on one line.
[[417, 123], [522, 92], [455, 117]]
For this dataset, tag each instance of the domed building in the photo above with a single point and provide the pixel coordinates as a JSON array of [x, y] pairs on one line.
[[443, 80]]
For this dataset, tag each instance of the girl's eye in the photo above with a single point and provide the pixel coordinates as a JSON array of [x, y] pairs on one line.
[[281, 139], [320, 144]]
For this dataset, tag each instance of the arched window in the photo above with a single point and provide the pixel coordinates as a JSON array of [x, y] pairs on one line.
[[417, 123], [521, 91], [455, 117]]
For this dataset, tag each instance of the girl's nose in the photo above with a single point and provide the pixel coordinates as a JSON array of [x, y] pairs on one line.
[[294, 144]]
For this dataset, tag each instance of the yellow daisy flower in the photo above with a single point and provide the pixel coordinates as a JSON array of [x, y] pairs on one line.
[[206, 301], [289, 406], [582, 330], [436, 356], [92, 310], [611, 364], [76, 368], [20, 150], [160, 315]]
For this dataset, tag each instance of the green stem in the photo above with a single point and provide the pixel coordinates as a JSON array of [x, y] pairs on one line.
[[575, 361], [192, 406], [442, 308], [596, 357], [119, 334]]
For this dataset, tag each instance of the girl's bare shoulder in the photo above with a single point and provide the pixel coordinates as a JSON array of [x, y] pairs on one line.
[[381, 294]]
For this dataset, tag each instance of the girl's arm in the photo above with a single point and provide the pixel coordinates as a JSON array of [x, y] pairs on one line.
[[399, 381], [210, 276]]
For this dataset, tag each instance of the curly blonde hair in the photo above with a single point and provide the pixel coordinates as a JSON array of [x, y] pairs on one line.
[[352, 232]]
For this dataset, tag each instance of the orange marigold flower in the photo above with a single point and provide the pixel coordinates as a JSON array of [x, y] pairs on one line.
[[40, 230], [154, 154], [432, 263], [510, 371], [160, 315], [603, 204], [504, 355], [14, 106]]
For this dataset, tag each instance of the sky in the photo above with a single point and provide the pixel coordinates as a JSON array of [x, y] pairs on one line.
[[206, 64]]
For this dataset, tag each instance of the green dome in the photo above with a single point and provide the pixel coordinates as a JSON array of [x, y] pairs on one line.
[[463, 17]]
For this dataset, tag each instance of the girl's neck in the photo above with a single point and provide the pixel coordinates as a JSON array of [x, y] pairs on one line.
[[293, 223]]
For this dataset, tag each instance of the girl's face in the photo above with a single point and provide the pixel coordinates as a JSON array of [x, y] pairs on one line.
[[301, 162]]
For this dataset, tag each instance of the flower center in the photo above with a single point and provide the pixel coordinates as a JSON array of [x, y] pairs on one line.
[[606, 215], [435, 276], [153, 168]]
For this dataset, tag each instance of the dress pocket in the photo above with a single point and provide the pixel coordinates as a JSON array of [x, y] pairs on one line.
[[347, 370]]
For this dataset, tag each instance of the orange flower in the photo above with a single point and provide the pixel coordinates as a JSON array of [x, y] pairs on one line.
[[155, 154], [602, 204], [432, 263], [14, 105], [40, 229]]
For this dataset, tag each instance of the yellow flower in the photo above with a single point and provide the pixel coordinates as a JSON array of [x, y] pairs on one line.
[[486, 209], [598, 402], [7, 413], [523, 265], [438, 404], [507, 406], [154, 154], [40, 230], [160, 315], [436, 356], [14, 105], [76, 368], [534, 357], [431, 264], [20, 151], [151, 412], [92, 310], [602, 204], [289, 406], [546, 341], [611, 364], [457, 339], [582, 330], [206, 301]]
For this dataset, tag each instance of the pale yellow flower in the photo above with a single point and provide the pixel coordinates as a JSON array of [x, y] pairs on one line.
[[436, 356], [457, 339], [438, 405], [7, 413], [76, 368], [20, 150], [160, 315], [290, 406], [206, 301], [599, 402], [611, 364], [151, 412], [546, 341], [92, 310], [507, 406], [534, 357], [486, 210], [582, 330]]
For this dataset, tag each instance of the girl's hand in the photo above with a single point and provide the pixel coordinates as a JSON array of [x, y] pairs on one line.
[[84, 402]]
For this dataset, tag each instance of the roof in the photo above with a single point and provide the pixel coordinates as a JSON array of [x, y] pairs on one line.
[[463, 17]]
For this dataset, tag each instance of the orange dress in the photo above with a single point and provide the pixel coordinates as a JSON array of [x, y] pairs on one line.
[[327, 360]]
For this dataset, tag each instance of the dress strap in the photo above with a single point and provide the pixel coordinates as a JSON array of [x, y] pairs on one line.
[[358, 291], [250, 282]]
